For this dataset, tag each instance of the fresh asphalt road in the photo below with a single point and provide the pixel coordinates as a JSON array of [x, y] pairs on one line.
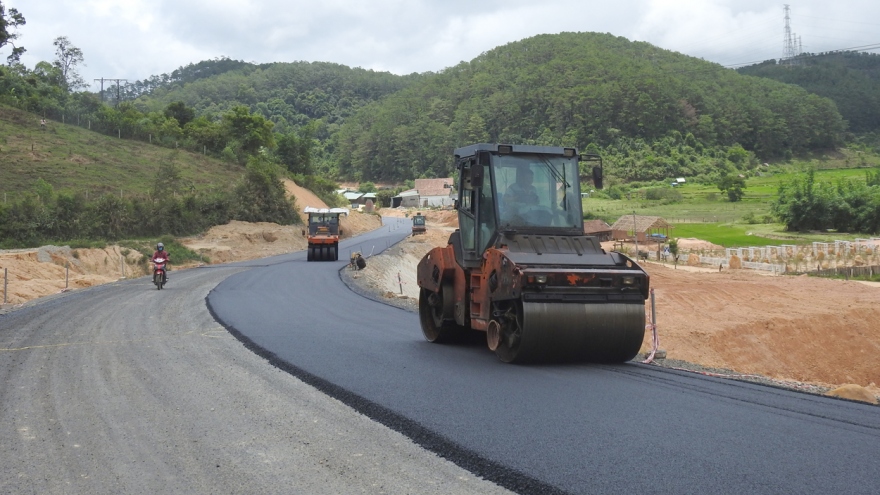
[[626, 428]]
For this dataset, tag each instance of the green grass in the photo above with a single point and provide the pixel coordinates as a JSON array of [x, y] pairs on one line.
[[73, 159], [727, 235], [705, 213]]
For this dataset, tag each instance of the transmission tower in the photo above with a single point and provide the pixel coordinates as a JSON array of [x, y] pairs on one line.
[[789, 52]]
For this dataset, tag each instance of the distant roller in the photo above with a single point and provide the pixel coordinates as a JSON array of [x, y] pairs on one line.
[[521, 269], [323, 233]]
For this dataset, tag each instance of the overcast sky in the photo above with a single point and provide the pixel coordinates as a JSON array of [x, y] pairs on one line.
[[134, 39]]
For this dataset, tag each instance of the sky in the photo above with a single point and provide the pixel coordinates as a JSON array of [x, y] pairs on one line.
[[134, 39]]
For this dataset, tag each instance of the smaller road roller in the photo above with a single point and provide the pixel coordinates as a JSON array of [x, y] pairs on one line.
[[521, 269], [418, 224], [323, 233]]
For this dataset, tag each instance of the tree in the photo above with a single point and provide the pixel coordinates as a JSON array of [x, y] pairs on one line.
[[8, 22], [673, 250], [180, 112], [295, 150], [261, 196], [68, 58], [247, 132], [167, 182], [733, 185]]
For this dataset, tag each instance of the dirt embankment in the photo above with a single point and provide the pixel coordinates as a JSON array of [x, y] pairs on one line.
[[35, 273], [791, 328]]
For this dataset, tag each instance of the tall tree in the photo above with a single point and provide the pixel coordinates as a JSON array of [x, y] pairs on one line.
[[68, 58], [733, 185], [179, 111], [249, 131], [9, 20]]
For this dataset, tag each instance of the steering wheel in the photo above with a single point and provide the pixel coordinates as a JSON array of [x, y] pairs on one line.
[[537, 215]]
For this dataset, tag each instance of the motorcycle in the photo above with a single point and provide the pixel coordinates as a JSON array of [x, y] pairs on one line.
[[159, 277]]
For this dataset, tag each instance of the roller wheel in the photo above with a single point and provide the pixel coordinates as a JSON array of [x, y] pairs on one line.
[[334, 253], [556, 332], [310, 253], [432, 307]]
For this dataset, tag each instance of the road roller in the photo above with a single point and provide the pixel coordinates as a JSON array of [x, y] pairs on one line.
[[323, 233], [520, 267]]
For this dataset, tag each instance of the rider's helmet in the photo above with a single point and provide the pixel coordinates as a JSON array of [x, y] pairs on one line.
[[160, 247]]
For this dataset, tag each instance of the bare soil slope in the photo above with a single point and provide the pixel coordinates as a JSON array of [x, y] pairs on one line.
[[34, 273]]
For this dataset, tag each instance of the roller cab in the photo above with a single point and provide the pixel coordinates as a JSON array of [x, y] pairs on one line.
[[418, 224], [521, 269], [323, 233]]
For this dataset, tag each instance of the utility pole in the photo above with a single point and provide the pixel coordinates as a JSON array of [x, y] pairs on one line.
[[118, 96]]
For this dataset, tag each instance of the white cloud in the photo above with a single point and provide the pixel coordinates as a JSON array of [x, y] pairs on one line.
[[135, 39]]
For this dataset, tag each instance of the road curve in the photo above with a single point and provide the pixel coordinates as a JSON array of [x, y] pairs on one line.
[[125, 389], [548, 429]]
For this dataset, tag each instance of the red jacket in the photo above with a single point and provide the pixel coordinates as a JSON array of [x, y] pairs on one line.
[[161, 254]]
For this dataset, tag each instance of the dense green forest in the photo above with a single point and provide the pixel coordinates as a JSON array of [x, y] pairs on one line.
[[182, 76], [850, 79], [651, 112], [287, 94]]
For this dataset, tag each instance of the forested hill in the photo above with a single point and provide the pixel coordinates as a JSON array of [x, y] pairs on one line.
[[653, 113], [288, 94], [186, 74], [850, 79]]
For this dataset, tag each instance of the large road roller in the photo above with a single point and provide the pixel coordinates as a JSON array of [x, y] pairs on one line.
[[521, 269], [323, 233]]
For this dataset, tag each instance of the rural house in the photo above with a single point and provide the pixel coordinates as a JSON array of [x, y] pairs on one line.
[[598, 228], [641, 227]]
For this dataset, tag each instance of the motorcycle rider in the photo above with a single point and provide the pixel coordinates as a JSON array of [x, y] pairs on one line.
[[161, 253]]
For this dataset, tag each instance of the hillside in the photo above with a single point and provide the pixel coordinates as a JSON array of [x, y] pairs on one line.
[[75, 160], [655, 113], [288, 94], [850, 79], [63, 183]]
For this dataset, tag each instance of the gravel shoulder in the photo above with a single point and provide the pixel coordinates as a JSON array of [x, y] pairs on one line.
[[125, 389]]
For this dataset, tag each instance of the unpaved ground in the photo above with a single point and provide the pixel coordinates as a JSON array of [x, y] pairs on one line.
[[802, 329], [34, 273], [792, 328]]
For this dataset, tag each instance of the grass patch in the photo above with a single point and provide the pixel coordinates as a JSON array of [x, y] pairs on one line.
[[74, 159], [727, 235], [874, 278], [704, 203]]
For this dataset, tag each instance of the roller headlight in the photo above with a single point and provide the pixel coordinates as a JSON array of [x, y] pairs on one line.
[[537, 279]]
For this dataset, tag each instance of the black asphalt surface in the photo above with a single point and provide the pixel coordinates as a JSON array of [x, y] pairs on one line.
[[573, 428]]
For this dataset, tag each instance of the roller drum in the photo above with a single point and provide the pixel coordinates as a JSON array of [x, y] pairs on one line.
[[555, 332]]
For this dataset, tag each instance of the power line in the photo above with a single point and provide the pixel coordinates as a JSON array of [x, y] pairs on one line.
[[826, 20]]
